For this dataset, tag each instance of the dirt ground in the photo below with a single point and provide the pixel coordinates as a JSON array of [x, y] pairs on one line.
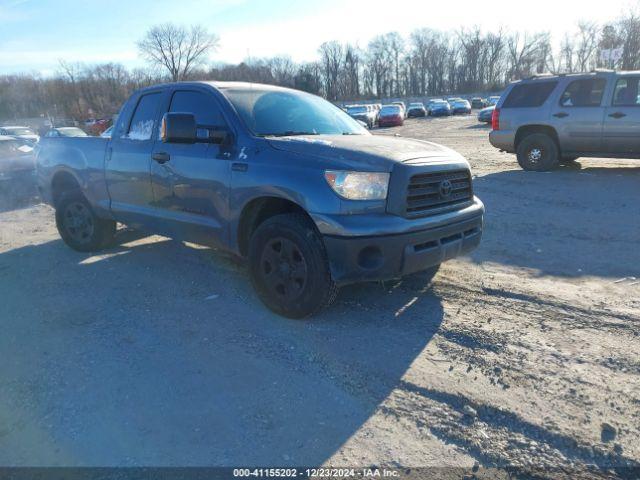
[[523, 355]]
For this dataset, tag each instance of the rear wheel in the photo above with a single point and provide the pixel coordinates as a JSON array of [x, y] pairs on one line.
[[289, 266], [79, 226], [538, 152]]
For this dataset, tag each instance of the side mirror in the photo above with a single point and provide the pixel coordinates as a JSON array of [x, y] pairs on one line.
[[178, 128]]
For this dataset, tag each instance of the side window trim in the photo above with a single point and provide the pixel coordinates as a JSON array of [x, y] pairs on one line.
[[133, 114]]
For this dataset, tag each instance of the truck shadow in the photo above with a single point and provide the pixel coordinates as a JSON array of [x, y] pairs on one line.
[[571, 222], [158, 353]]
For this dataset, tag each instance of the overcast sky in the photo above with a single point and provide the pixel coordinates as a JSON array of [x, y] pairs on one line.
[[34, 34]]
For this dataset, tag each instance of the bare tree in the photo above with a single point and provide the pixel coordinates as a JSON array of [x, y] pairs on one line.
[[178, 49], [331, 61], [587, 45]]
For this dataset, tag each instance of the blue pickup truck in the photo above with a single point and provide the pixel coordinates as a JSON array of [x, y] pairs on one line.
[[280, 177]]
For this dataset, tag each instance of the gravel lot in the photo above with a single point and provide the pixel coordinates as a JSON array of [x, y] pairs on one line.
[[522, 355]]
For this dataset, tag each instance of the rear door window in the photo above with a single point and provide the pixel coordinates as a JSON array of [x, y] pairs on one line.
[[626, 92], [529, 94], [141, 126], [584, 93]]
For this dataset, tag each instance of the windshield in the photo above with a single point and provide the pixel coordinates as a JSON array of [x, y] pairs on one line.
[[288, 112], [71, 132], [416, 105], [390, 110], [353, 110], [19, 131]]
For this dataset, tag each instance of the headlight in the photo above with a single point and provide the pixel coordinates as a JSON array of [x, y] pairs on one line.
[[358, 185]]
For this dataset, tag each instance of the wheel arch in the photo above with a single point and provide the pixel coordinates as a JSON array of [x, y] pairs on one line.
[[525, 130], [61, 182], [259, 209]]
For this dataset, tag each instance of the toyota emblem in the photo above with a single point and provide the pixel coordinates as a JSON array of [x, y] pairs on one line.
[[445, 188]]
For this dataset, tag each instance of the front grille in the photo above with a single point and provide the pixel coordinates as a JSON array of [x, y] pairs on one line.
[[429, 193]]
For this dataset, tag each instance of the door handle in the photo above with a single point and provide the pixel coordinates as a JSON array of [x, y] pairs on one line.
[[239, 167], [617, 115], [560, 114], [161, 157]]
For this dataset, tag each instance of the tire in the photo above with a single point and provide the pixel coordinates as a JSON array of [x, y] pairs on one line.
[[79, 226], [289, 266], [538, 152]]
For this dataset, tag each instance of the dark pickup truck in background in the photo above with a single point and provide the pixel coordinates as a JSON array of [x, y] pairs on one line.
[[281, 177]]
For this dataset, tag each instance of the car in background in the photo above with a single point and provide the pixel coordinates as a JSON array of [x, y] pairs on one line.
[[364, 113], [22, 133], [461, 106], [66, 132], [439, 108], [485, 114], [416, 109], [391, 116], [477, 102], [493, 100], [403, 106], [17, 169]]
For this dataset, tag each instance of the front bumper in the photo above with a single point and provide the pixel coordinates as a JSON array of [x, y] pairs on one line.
[[356, 258]]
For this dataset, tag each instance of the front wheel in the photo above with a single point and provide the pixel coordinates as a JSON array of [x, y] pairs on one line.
[[289, 266], [538, 152], [79, 226]]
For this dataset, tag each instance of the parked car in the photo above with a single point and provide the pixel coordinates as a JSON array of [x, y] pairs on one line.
[[66, 132], [478, 103], [416, 110], [23, 133], [402, 106], [279, 176], [438, 108], [547, 120], [461, 106], [391, 116], [17, 168], [485, 114], [365, 113]]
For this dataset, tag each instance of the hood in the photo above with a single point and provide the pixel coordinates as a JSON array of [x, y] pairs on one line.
[[366, 152]]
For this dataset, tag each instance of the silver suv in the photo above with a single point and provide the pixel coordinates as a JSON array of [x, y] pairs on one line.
[[551, 119]]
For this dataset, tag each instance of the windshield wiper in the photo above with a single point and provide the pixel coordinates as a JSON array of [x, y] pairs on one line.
[[351, 133], [288, 133]]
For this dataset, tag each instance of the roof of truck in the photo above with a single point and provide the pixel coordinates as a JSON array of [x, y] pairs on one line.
[[597, 72], [220, 85]]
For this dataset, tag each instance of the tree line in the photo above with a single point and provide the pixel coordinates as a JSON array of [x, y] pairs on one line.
[[427, 62]]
